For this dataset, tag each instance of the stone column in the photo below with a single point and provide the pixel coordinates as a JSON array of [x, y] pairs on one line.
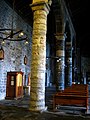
[[60, 63], [68, 64], [38, 63]]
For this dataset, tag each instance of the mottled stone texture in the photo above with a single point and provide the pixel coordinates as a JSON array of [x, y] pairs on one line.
[[68, 64], [14, 52], [38, 63], [60, 64]]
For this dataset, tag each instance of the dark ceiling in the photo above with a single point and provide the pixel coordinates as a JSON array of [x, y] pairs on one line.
[[79, 12], [22, 7]]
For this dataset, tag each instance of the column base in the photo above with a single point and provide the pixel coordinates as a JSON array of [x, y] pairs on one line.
[[38, 110]]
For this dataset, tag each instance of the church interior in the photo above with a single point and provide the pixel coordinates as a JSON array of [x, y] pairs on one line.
[[45, 53]]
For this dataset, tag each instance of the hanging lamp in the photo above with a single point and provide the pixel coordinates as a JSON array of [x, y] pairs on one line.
[[12, 34]]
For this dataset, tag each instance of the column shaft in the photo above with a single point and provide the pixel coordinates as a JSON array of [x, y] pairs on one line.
[[38, 63], [68, 64], [60, 54]]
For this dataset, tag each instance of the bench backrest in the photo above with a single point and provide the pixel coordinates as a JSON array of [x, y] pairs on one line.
[[75, 89]]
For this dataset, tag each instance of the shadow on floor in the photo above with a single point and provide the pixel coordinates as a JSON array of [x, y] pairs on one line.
[[18, 110]]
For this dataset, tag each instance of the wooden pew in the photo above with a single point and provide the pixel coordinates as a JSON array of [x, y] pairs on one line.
[[75, 95]]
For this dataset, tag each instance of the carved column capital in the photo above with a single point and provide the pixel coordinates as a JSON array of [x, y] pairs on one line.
[[60, 36], [42, 5]]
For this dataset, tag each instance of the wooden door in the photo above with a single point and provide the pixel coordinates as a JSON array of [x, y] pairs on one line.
[[11, 86], [19, 85]]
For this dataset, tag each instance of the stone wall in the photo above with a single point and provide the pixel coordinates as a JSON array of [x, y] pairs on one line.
[[14, 51]]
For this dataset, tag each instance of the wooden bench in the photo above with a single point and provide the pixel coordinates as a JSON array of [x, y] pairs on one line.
[[75, 95]]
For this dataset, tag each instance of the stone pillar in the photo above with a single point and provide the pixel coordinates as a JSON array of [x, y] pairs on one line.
[[68, 64], [38, 63], [60, 63]]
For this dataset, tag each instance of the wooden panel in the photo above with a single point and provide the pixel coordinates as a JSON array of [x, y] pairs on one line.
[[75, 95], [14, 87]]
